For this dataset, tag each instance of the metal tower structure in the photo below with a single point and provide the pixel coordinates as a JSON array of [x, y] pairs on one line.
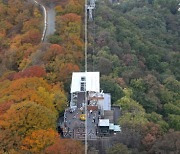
[[90, 8]]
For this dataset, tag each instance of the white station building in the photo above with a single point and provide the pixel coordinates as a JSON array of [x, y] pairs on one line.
[[85, 81], [90, 82]]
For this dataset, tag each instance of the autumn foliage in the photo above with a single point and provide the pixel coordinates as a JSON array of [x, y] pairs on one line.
[[34, 71], [38, 140], [5, 106], [53, 51], [151, 133], [33, 90], [21, 119], [65, 146], [20, 29], [33, 76], [49, 140], [64, 58]]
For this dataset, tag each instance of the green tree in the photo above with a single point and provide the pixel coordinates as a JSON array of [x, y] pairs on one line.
[[119, 149], [174, 121], [54, 39], [110, 86], [132, 112], [172, 108], [158, 119]]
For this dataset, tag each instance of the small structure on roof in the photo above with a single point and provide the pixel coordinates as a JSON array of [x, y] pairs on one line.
[[103, 122], [117, 128], [103, 127]]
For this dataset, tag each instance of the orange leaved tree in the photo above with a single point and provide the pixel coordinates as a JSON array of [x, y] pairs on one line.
[[34, 90], [65, 146], [38, 140], [22, 119]]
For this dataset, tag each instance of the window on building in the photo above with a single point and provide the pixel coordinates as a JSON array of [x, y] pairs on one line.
[[83, 86], [83, 78], [83, 83]]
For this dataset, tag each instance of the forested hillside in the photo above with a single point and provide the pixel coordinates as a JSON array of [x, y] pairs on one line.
[[137, 44], [134, 44], [35, 74]]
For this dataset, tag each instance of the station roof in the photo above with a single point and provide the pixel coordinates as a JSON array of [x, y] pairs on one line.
[[104, 122], [91, 81], [117, 128], [111, 126]]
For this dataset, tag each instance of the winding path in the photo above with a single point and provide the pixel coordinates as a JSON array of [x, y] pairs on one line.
[[49, 20]]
